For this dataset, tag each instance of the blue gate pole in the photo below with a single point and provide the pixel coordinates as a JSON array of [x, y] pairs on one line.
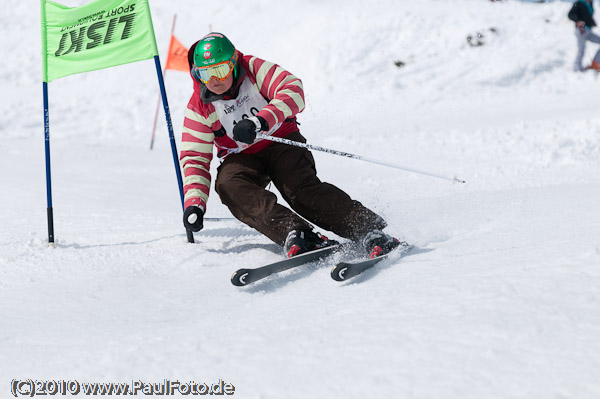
[[48, 174], [163, 93]]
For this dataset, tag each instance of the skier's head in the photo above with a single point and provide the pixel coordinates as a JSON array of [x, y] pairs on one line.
[[214, 58]]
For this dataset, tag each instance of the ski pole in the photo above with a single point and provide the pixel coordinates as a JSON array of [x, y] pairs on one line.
[[353, 156]]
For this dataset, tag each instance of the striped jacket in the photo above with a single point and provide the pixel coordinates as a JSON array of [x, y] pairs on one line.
[[285, 97]]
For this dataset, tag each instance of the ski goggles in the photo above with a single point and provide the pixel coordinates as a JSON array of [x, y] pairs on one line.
[[220, 71]]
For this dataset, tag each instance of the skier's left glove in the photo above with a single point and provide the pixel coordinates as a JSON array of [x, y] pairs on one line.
[[246, 129], [193, 218]]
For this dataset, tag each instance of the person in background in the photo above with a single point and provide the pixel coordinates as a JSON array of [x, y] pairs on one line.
[[235, 97], [582, 14]]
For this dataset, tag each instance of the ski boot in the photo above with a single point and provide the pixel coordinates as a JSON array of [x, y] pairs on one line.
[[378, 243], [304, 240]]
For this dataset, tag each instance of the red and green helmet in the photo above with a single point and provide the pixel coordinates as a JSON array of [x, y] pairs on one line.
[[214, 58]]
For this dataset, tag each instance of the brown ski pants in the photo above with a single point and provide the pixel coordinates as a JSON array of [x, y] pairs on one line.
[[242, 179]]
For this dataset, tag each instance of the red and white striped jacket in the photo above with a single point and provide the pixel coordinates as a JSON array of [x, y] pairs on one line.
[[284, 95]]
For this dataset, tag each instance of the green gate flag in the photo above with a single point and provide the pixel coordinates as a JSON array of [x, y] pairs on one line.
[[101, 34]]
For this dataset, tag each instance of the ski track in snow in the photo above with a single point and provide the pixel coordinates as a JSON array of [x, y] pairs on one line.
[[500, 298]]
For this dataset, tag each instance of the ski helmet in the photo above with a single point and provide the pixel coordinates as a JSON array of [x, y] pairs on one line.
[[214, 57]]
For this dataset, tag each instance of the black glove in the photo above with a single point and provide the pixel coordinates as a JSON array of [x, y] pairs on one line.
[[193, 217], [246, 129]]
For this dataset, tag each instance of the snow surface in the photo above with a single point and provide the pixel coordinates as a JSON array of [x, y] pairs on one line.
[[500, 300]]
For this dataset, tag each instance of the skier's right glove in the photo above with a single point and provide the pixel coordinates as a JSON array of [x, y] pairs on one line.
[[193, 217], [246, 129]]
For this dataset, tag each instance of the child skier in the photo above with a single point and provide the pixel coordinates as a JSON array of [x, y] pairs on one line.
[[235, 97]]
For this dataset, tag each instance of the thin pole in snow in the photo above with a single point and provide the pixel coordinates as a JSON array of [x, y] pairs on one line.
[[164, 74], [353, 156], [50, 213], [163, 93]]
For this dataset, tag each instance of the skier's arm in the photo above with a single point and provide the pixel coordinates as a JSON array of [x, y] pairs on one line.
[[196, 154], [284, 91]]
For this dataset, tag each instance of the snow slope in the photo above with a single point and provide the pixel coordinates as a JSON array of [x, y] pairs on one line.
[[501, 299]]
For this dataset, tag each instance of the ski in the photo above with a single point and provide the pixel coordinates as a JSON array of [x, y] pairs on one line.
[[346, 270], [244, 277]]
